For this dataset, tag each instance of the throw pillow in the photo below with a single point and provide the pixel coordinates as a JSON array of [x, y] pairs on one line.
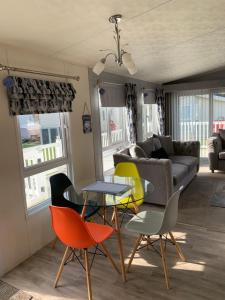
[[159, 153], [139, 152], [222, 136], [166, 143], [147, 146], [156, 142]]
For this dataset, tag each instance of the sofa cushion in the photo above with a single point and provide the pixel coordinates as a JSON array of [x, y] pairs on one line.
[[147, 146], [189, 161], [166, 143], [179, 172], [222, 136], [137, 152], [157, 144], [125, 151], [221, 155], [159, 153]]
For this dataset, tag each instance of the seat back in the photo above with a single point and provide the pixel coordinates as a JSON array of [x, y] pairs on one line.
[[170, 213], [129, 169], [70, 228], [59, 183]]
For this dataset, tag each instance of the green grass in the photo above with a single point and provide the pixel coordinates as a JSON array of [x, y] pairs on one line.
[[31, 144]]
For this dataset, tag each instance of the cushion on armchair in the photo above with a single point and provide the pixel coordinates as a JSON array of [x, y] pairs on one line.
[[222, 137], [221, 155]]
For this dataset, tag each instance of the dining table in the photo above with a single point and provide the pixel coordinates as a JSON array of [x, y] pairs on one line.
[[107, 192]]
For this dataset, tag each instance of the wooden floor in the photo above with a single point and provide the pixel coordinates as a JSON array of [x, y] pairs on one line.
[[202, 239]]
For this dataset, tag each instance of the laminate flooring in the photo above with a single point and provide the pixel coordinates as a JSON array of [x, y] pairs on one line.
[[200, 232]]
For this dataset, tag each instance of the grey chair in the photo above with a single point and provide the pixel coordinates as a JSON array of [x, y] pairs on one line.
[[147, 223]]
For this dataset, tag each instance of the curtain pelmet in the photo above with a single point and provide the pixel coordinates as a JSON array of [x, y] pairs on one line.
[[33, 96]]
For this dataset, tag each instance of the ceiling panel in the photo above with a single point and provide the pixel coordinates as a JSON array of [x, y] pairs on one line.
[[168, 39]]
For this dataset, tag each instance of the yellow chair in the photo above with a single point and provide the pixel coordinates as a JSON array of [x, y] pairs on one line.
[[129, 169]]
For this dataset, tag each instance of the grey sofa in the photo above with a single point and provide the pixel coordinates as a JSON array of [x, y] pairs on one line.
[[216, 151], [167, 175]]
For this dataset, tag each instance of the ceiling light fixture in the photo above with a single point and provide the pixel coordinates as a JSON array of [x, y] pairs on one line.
[[121, 57]]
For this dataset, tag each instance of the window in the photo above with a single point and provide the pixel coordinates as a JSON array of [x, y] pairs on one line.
[[191, 117], [44, 151], [150, 121], [113, 133], [218, 110]]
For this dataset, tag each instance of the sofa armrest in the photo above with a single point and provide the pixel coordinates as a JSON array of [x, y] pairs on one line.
[[190, 148], [214, 147], [157, 171]]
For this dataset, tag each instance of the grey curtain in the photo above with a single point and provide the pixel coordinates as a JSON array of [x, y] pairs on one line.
[[33, 96], [131, 104], [168, 114], [160, 100]]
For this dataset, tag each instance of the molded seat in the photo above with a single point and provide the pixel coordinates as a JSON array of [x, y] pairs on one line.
[[129, 169], [59, 183], [147, 223], [74, 233]]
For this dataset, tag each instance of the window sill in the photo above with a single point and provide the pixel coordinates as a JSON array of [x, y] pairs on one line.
[[39, 207]]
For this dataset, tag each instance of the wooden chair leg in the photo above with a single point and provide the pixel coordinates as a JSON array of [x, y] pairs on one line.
[[105, 250], [164, 262], [88, 274], [136, 208], [54, 243], [113, 217], [65, 256], [137, 243], [179, 252]]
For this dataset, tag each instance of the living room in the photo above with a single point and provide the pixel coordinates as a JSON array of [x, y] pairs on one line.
[[97, 91]]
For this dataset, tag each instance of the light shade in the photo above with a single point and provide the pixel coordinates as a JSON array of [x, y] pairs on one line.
[[99, 66], [129, 63]]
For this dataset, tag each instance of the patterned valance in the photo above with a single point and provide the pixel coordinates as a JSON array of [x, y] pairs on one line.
[[33, 96]]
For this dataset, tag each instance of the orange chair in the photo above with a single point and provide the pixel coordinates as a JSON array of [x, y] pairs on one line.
[[77, 234]]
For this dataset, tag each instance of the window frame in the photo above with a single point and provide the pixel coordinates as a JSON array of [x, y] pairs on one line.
[[44, 166]]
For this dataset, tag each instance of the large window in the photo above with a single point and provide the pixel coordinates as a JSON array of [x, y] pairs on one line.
[[113, 133], [191, 118], [44, 151], [218, 110]]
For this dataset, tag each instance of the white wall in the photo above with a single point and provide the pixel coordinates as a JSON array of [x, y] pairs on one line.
[[22, 235]]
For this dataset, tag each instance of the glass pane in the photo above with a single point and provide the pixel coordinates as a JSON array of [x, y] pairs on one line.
[[113, 133], [41, 138], [150, 120], [113, 125], [218, 111], [194, 119], [37, 187]]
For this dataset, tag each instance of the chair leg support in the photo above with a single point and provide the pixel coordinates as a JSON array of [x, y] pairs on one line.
[[65, 256], [179, 252], [164, 262], [137, 243], [87, 267], [106, 252]]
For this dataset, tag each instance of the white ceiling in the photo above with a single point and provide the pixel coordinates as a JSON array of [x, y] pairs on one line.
[[169, 39]]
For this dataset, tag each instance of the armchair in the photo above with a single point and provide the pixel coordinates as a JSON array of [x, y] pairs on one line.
[[216, 153]]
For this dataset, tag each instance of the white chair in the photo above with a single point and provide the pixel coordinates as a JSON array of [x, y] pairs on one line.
[[147, 223]]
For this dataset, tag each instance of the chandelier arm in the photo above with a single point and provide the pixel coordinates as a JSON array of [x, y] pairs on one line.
[[111, 53], [119, 55]]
